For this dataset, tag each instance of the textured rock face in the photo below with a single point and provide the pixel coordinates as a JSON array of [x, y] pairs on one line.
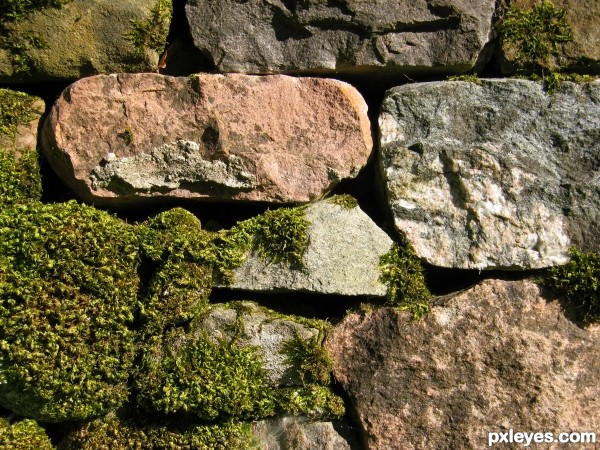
[[260, 328], [342, 257], [583, 52], [298, 433], [122, 138], [347, 36], [497, 175], [84, 37], [494, 357]]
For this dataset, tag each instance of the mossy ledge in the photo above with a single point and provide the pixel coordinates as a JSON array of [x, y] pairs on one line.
[[23, 435]]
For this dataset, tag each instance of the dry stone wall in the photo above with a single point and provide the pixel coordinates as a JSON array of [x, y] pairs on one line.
[[319, 240]]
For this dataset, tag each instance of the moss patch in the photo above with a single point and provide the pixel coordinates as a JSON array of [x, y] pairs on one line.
[[402, 272], [314, 401], [472, 78], [68, 286], [213, 381], [117, 434], [579, 282], [16, 109], [23, 435], [280, 235], [310, 357], [20, 178], [344, 200], [151, 33]]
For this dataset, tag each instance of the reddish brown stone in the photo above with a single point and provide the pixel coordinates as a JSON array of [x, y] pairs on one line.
[[118, 139], [495, 357]]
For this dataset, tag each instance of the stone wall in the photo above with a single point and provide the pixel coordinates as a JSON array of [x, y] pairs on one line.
[[292, 224]]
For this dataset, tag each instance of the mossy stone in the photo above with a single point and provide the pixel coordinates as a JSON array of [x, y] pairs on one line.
[[68, 289]]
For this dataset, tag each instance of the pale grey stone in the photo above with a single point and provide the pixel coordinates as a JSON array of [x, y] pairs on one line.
[[496, 175], [342, 257], [342, 36]]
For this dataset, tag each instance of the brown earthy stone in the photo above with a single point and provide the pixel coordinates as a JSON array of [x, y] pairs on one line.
[[494, 357], [583, 52], [121, 138]]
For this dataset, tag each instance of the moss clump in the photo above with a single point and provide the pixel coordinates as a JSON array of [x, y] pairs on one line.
[[23, 435], [127, 136], [314, 401], [151, 33], [579, 282], [215, 381], [17, 45], [116, 434], [68, 285], [344, 200], [185, 256], [20, 178], [402, 272], [310, 357], [16, 109], [471, 78]]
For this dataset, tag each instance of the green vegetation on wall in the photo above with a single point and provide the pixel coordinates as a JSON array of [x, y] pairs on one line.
[[402, 272], [151, 33], [310, 357], [20, 179], [23, 435], [579, 282], [68, 287], [16, 109]]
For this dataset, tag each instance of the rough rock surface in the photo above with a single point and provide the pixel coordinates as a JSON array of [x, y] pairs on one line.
[[497, 175], [118, 139], [342, 257], [298, 433], [494, 357], [84, 37], [583, 52], [260, 328], [347, 36]]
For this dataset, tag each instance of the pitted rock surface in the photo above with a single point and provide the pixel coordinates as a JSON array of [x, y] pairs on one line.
[[494, 357], [342, 257], [497, 175], [347, 36], [122, 139]]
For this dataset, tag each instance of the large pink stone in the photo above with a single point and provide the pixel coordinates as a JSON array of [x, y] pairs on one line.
[[118, 139]]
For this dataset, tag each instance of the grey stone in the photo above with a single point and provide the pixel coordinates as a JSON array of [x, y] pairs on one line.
[[496, 175], [252, 325], [342, 257], [498, 356], [299, 433], [346, 36], [82, 38]]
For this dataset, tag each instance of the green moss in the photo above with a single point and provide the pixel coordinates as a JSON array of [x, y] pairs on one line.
[[310, 357], [213, 381], [116, 434], [151, 33], [68, 286], [344, 200], [20, 178], [579, 282], [280, 235], [127, 136], [23, 435], [182, 281], [471, 78], [402, 272], [16, 109], [314, 401], [15, 10]]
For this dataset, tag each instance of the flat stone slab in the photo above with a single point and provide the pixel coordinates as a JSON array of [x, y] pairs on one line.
[[123, 139], [495, 357], [347, 36], [82, 38], [342, 257], [497, 175]]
